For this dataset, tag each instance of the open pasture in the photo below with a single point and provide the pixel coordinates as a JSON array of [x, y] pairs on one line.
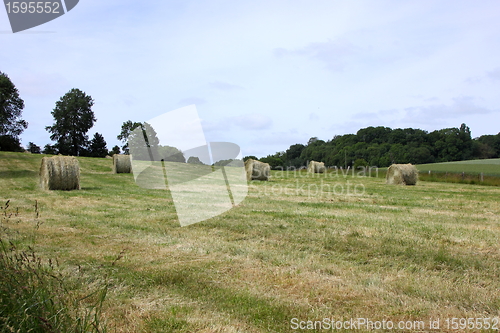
[[304, 246], [487, 167]]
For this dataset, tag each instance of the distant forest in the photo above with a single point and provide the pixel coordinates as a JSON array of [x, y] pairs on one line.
[[382, 146]]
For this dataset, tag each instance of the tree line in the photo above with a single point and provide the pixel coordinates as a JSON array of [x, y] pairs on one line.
[[383, 146], [371, 146]]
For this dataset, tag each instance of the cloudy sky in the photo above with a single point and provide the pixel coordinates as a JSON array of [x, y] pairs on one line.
[[264, 74]]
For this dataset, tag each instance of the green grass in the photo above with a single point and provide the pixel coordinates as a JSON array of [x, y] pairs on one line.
[[296, 247], [490, 167], [484, 172]]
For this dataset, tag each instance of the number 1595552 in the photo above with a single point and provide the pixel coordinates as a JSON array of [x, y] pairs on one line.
[[32, 7]]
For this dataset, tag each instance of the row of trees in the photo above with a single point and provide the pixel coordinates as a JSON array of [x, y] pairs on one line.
[[382, 146]]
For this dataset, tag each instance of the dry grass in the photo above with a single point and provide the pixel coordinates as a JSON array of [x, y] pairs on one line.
[[60, 173], [394, 253]]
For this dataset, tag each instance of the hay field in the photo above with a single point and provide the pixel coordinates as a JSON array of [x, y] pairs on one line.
[[299, 246]]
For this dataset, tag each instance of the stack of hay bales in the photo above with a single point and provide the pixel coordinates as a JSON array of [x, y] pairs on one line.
[[60, 173], [257, 170], [316, 167], [121, 164], [402, 174]]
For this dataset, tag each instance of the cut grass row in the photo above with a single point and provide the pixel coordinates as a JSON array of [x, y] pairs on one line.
[[293, 248]]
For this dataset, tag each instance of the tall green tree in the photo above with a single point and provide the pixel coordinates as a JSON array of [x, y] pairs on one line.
[[127, 128], [144, 143], [11, 107], [73, 118], [97, 147]]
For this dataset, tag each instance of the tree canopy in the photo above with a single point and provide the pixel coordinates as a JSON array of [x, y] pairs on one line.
[[73, 118], [127, 128], [382, 146], [11, 107]]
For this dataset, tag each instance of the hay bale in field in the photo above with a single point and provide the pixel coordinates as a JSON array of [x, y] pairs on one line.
[[402, 174], [60, 173], [316, 167], [121, 164], [257, 170]]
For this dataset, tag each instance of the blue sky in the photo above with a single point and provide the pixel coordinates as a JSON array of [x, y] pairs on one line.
[[264, 74]]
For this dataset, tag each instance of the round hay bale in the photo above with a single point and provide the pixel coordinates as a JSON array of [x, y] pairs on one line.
[[257, 170], [121, 164], [316, 167], [402, 174], [60, 173]]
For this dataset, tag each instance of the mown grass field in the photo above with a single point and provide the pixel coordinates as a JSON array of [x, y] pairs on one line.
[[297, 247]]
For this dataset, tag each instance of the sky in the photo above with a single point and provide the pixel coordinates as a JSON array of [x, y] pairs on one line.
[[264, 74]]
